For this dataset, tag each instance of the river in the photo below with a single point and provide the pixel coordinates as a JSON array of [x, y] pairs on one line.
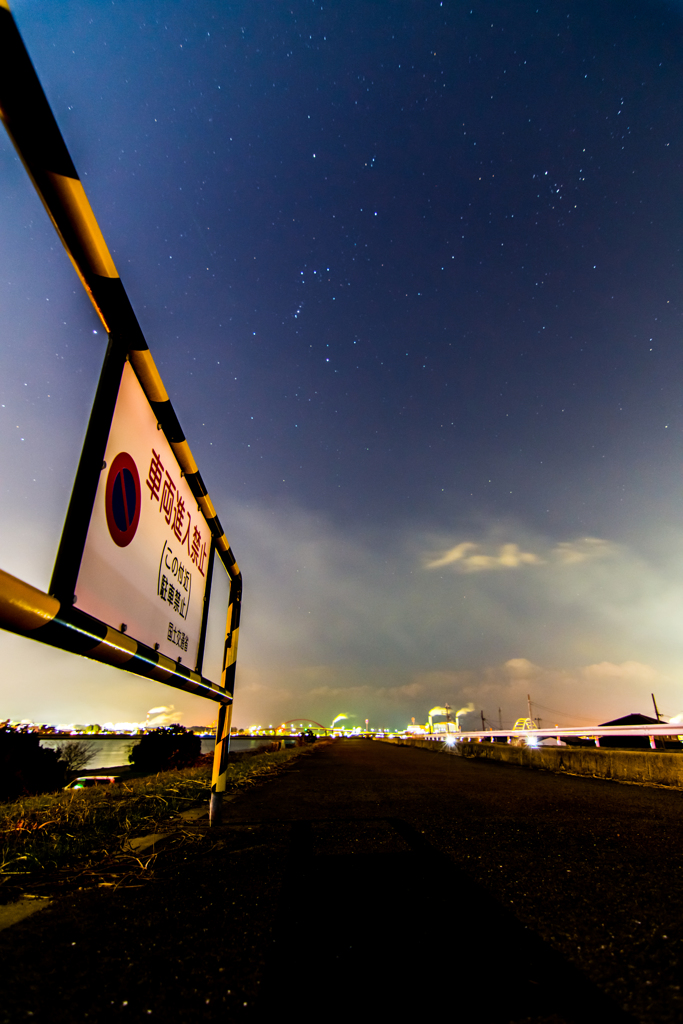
[[112, 753]]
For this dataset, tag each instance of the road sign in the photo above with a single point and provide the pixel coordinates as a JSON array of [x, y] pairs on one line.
[[146, 556], [122, 499], [132, 578]]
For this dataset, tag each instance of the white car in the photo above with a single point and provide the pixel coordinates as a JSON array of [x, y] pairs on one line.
[[87, 781]]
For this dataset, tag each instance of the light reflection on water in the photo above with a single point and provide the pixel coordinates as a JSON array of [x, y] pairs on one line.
[[114, 753]]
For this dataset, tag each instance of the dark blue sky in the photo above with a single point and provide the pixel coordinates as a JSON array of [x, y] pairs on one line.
[[411, 273]]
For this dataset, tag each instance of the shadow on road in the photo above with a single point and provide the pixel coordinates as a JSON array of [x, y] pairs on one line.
[[412, 934]]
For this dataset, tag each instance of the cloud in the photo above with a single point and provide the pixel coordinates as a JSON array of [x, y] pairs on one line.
[[166, 714], [407, 691], [462, 555], [340, 692], [582, 550], [340, 619], [336, 621], [468, 557], [585, 695], [122, 726]]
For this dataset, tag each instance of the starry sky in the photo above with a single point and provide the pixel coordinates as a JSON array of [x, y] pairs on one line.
[[411, 273]]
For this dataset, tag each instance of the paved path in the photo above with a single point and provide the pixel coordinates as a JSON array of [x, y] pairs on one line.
[[372, 880]]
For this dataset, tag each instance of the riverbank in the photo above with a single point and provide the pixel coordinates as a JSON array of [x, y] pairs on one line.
[[46, 838]]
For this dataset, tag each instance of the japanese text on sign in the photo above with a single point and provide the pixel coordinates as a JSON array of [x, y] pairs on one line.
[[174, 582], [172, 507]]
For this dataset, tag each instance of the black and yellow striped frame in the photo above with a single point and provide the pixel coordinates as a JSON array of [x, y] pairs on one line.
[[52, 618]]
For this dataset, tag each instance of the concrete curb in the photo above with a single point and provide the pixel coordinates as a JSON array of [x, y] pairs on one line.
[[639, 767], [13, 913], [143, 843]]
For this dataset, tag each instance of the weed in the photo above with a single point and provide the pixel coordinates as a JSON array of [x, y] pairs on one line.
[[51, 832]]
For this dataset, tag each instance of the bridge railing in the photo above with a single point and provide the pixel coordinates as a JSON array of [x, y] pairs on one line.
[[535, 735]]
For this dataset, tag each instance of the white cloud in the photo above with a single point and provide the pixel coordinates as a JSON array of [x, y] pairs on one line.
[[466, 558], [406, 691], [583, 550], [583, 695], [334, 622], [469, 557], [628, 671], [165, 714], [339, 620]]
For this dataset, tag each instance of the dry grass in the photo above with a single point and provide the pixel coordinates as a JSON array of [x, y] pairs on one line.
[[44, 836]]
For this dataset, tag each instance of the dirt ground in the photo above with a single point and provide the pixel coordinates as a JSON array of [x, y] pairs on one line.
[[370, 880]]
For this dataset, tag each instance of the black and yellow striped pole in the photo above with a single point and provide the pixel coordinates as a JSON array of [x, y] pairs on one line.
[[52, 618], [220, 760]]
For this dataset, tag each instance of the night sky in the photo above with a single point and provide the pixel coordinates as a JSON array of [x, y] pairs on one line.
[[411, 272]]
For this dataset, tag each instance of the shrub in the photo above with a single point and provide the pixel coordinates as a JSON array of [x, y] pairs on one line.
[[170, 747], [27, 768]]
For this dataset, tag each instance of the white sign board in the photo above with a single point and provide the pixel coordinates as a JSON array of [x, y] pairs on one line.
[[147, 551]]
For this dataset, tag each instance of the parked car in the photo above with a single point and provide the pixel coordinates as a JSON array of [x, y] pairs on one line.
[[86, 781]]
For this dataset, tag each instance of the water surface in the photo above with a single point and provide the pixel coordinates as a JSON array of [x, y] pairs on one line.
[[113, 753]]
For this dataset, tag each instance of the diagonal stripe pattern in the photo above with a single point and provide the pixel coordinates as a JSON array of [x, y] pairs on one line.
[[51, 618]]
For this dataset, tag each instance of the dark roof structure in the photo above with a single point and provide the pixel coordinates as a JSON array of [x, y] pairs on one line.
[[633, 719]]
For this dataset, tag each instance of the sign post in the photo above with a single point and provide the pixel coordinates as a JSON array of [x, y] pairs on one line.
[[132, 579]]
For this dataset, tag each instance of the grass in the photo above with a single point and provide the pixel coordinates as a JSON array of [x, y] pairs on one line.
[[44, 838]]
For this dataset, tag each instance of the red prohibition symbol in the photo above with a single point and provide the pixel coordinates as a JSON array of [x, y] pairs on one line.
[[122, 499]]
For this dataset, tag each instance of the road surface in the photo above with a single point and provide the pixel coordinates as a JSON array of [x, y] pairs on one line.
[[375, 879]]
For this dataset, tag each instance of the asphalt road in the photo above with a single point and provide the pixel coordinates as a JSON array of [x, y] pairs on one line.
[[373, 880]]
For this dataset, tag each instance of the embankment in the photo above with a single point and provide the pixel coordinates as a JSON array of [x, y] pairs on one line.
[[644, 767]]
